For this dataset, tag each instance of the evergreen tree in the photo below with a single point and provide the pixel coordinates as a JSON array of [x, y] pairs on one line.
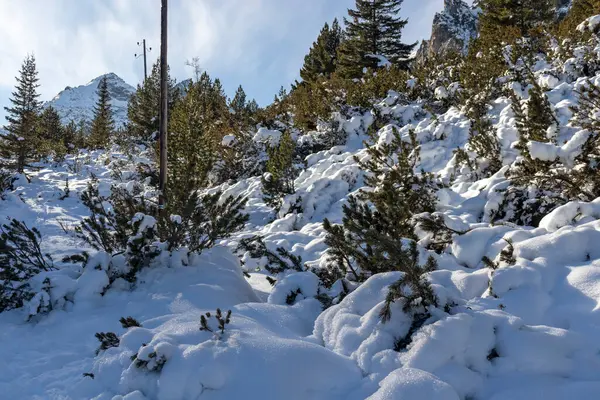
[[321, 60], [238, 103], [279, 179], [51, 132], [103, 124], [71, 137], [51, 127], [144, 105], [373, 30], [239, 156], [243, 112], [534, 118], [579, 11], [83, 132], [198, 124], [370, 239], [252, 107], [524, 15], [538, 185], [21, 143]]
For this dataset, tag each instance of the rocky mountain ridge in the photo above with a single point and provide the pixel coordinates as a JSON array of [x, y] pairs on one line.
[[77, 103]]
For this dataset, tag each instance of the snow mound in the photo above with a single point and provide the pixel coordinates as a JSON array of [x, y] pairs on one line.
[[409, 383], [261, 345]]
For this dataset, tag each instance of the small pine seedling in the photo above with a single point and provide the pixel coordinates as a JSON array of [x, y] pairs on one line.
[[107, 340], [221, 320], [129, 322]]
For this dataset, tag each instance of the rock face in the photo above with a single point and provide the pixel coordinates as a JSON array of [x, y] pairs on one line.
[[563, 7], [78, 103], [455, 26], [452, 30]]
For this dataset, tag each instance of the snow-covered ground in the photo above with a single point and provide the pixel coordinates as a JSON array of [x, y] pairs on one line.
[[526, 330]]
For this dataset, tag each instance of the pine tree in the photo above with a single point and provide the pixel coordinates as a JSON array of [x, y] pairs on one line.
[[144, 105], [537, 185], [524, 15], [198, 124], [52, 131], [239, 157], [370, 240], [103, 124], [21, 144], [579, 11], [279, 179], [533, 118], [321, 60], [238, 103], [373, 30], [71, 136], [50, 125], [243, 112]]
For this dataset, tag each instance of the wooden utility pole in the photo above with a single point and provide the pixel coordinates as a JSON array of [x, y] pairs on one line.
[[144, 55], [164, 89], [145, 65]]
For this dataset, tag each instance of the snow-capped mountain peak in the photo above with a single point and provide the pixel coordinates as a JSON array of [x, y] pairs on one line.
[[77, 103]]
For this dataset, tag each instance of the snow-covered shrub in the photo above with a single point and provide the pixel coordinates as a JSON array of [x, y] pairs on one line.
[[203, 222], [547, 175], [148, 359], [129, 322], [439, 231], [240, 157], [415, 292], [107, 340], [277, 261], [480, 74], [436, 81], [371, 238], [7, 179], [483, 141], [21, 258], [131, 231], [534, 118]]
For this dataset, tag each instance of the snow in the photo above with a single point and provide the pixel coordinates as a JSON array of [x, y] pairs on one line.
[[267, 136], [306, 282], [77, 103], [526, 329], [590, 24], [409, 383], [228, 140], [567, 152]]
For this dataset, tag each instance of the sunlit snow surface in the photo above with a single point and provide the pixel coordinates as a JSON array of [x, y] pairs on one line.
[[536, 340]]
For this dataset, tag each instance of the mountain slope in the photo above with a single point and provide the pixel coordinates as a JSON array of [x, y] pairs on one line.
[[452, 29], [78, 103]]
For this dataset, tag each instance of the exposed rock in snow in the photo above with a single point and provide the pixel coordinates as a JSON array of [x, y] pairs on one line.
[[455, 26], [452, 30]]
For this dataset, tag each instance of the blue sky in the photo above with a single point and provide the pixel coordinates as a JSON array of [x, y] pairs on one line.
[[257, 43]]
